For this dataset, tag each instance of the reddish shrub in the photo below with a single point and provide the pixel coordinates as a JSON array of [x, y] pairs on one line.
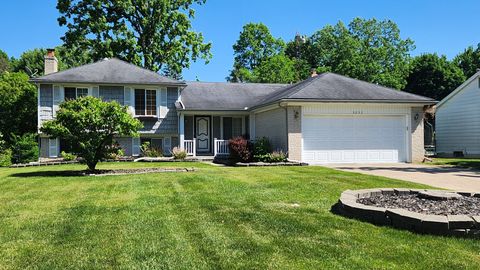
[[240, 149]]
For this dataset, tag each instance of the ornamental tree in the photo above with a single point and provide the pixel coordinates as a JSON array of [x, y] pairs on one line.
[[89, 125]]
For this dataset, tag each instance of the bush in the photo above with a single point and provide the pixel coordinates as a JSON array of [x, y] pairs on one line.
[[67, 156], [24, 148], [114, 151], [277, 156], [179, 153], [150, 151], [261, 149], [240, 149], [5, 157]]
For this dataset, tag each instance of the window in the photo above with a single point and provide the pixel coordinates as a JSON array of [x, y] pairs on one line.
[[232, 127], [75, 92], [145, 102]]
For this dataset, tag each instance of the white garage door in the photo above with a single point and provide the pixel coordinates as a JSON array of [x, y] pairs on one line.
[[353, 139]]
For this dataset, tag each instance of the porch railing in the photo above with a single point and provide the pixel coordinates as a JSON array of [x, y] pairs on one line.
[[190, 147], [220, 147]]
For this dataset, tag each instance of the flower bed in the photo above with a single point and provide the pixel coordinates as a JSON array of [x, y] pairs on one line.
[[425, 211]]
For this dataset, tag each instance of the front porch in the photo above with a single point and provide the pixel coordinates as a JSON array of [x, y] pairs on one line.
[[207, 134]]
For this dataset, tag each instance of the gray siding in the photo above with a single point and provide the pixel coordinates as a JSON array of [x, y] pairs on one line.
[[125, 144], [458, 122], [45, 109], [273, 125], [167, 125], [112, 93]]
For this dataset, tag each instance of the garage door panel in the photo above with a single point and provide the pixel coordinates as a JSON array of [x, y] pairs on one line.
[[348, 139]]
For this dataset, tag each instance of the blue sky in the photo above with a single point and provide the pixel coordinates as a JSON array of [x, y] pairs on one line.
[[444, 27]]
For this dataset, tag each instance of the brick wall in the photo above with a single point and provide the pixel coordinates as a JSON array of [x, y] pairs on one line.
[[418, 150], [294, 120]]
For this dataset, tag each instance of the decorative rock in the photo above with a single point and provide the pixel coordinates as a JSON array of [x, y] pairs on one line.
[[459, 222], [438, 195]]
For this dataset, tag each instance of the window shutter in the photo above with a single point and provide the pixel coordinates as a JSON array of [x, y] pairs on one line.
[[95, 91], [163, 103], [136, 146], [57, 98], [53, 147], [167, 145], [128, 99]]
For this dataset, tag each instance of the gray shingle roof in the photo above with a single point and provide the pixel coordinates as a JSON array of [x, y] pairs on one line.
[[334, 87], [225, 96], [107, 71]]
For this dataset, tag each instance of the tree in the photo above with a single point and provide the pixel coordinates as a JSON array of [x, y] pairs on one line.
[[156, 34], [4, 62], [18, 105], [469, 60], [24, 148], [433, 76], [254, 45], [369, 50], [89, 125], [276, 69]]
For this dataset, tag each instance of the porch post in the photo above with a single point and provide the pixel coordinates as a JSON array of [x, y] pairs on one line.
[[215, 147], [182, 131]]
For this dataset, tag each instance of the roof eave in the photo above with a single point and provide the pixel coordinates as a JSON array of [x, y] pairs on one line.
[[37, 81]]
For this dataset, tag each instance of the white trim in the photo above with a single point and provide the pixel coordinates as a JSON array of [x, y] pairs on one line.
[[181, 130], [458, 89], [163, 103]]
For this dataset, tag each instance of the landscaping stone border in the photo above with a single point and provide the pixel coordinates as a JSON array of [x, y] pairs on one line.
[[264, 164], [452, 225]]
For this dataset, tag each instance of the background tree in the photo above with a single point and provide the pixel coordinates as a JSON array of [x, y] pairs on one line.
[[89, 125], [276, 69], [18, 105], [368, 50], [156, 34], [4, 62], [433, 76], [469, 60], [254, 45]]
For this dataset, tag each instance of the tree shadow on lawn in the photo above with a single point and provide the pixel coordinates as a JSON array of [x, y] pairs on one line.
[[67, 173]]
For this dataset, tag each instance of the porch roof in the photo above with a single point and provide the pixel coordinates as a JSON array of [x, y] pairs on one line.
[[224, 96]]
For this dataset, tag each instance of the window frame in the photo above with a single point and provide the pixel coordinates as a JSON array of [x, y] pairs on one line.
[[76, 91], [146, 107]]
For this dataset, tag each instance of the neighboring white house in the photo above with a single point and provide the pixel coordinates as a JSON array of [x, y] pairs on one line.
[[457, 120], [328, 118]]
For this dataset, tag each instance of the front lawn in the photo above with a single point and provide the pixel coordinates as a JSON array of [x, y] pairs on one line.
[[216, 217], [471, 163]]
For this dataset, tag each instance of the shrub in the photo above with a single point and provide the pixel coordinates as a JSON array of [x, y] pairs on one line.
[[150, 151], [114, 151], [277, 156], [24, 148], [5, 157], [67, 156], [261, 149], [179, 153], [240, 149]]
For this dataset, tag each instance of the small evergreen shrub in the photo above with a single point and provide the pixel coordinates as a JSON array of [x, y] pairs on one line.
[[24, 148], [149, 151], [240, 149], [67, 156], [5, 157], [179, 153], [261, 149]]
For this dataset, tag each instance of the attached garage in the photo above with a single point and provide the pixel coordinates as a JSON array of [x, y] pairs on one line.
[[354, 138]]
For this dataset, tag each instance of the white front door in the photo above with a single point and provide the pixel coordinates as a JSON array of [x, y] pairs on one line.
[[354, 139], [202, 133]]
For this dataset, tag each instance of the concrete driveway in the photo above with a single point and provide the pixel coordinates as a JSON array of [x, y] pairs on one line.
[[437, 176]]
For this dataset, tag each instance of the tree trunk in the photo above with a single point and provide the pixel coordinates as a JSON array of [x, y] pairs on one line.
[[91, 166]]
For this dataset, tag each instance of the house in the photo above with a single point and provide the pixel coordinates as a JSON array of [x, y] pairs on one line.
[[328, 118], [457, 121]]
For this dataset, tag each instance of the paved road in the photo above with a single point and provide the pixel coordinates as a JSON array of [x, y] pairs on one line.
[[443, 177]]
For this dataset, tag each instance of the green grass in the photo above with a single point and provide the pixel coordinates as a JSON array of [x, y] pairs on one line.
[[213, 218], [472, 163]]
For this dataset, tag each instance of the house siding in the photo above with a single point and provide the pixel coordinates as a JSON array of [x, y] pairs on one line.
[[125, 144], [167, 125], [273, 125], [112, 93], [457, 123]]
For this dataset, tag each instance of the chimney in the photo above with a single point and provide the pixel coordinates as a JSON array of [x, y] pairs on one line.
[[51, 62], [314, 73]]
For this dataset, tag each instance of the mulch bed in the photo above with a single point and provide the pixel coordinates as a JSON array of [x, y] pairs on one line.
[[462, 206]]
